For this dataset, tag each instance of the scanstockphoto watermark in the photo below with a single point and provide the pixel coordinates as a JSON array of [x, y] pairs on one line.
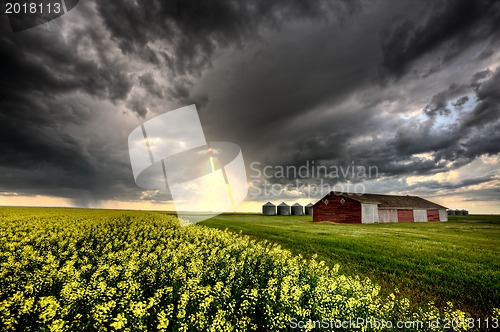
[[489, 323], [357, 323], [309, 178]]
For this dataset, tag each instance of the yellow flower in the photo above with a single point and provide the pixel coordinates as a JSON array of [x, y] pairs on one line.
[[119, 322]]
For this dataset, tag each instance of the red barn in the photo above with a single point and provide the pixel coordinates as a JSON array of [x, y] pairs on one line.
[[373, 208]]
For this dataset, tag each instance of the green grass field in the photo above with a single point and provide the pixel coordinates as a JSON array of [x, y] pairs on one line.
[[456, 261]]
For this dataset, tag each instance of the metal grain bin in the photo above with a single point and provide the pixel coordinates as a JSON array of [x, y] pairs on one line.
[[458, 212], [451, 212], [269, 209], [309, 209], [465, 212], [297, 210], [283, 209]]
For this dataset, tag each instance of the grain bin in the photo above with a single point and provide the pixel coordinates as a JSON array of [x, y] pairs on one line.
[[451, 212], [297, 210], [309, 209], [465, 212], [269, 209], [458, 212], [283, 209]]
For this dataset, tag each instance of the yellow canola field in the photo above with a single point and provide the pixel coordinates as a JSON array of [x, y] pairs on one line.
[[76, 270]]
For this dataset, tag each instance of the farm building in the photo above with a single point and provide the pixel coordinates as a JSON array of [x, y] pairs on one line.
[[283, 209], [269, 209], [309, 209], [297, 210], [373, 208]]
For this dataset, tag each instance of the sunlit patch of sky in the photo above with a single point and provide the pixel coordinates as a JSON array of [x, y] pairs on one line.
[[445, 120]]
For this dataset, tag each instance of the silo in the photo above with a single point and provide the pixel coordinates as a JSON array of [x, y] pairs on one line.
[[309, 209], [283, 209], [458, 212], [465, 212], [269, 209], [451, 212], [297, 210]]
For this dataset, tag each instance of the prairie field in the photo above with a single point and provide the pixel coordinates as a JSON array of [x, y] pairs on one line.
[[99, 270], [456, 261]]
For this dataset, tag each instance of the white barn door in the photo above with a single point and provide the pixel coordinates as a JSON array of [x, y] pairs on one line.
[[443, 215], [419, 215], [369, 213], [386, 215]]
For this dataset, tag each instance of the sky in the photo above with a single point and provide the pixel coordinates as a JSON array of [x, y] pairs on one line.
[[408, 89]]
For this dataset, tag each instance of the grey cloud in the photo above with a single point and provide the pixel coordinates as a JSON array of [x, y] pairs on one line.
[[487, 109], [439, 102], [148, 82], [287, 81], [195, 29], [435, 186], [461, 101], [449, 28], [482, 195], [480, 76], [137, 104], [191, 31]]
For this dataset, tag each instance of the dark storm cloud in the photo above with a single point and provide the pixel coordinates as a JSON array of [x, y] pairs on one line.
[[487, 110], [302, 116], [194, 29], [35, 62], [148, 82], [288, 81], [475, 133], [277, 99], [450, 26], [394, 146], [41, 154]]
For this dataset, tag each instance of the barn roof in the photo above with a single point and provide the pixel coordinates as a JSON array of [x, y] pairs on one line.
[[392, 201]]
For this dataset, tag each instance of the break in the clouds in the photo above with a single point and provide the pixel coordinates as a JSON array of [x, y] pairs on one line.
[[411, 87]]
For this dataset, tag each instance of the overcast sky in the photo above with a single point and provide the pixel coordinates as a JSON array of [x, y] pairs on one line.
[[409, 87]]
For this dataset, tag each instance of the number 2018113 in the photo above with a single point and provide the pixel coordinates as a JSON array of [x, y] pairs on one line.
[[32, 8]]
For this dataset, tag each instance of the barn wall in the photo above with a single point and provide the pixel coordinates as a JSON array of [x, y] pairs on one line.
[[405, 216], [369, 213], [443, 215], [349, 212], [387, 215], [432, 215], [420, 215]]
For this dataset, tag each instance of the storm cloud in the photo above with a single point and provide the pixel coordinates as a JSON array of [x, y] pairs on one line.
[[410, 87]]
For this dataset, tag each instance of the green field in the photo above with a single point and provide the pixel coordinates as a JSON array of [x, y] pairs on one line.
[[105, 270], [456, 261]]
